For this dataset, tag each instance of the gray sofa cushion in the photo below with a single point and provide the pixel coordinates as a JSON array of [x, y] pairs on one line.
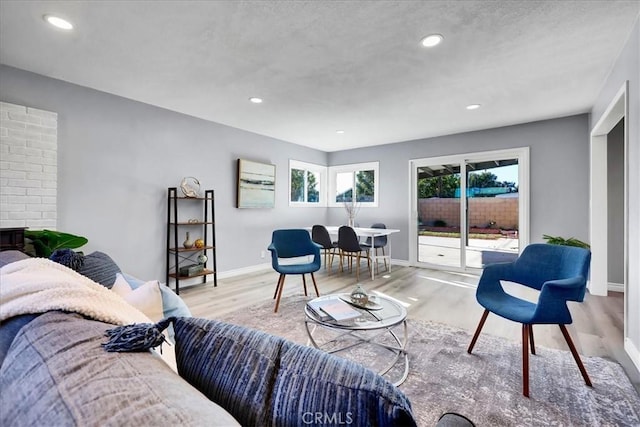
[[262, 379], [7, 257], [57, 373]]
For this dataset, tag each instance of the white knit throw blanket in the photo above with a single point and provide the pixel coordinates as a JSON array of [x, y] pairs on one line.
[[37, 285]]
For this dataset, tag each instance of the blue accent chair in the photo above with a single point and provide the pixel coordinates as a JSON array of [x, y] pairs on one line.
[[558, 272], [293, 243]]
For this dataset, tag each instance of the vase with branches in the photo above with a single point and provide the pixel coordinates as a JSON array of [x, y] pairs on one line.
[[352, 207]]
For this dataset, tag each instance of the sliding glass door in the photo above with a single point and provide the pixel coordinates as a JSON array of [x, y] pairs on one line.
[[469, 210]]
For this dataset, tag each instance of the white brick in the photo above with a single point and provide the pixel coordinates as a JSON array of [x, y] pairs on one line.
[[50, 138], [49, 200], [16, 149], [10, 124], [31, 167], [13, 191], [7, 106], [3, 215], [49, 123], [49, 215], [45, 145], [25, 183], [49, 154], [49, 184], [25, 215], [46, 208], [14, 142], [16, 200], [33, 152], [13, 208], [37, 136], [37, 129], [14, 158], [50, 169], [4, 165], [8, 223], [41, 176], [42, 113], [16, 133], [49, 224], [11, 174], [23, 117], [45, 161], [41, 191], [4, 132]]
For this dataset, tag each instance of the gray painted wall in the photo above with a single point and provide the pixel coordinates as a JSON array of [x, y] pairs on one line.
[[116, 158], [559, 175], [615, 203], [627, 67]]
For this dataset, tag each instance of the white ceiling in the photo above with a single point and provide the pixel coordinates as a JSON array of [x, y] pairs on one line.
[[327, 65]]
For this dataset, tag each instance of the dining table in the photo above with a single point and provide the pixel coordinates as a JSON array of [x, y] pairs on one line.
[[373, 233]]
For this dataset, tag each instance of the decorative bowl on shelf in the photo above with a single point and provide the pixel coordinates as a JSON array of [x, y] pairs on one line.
[[199, 243], [190, 186]]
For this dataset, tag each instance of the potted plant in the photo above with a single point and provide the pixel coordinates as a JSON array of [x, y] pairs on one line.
[[571, 241], [45, 242]]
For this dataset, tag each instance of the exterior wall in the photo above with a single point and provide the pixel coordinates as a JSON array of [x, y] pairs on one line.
[[28, 169], [482, 211]]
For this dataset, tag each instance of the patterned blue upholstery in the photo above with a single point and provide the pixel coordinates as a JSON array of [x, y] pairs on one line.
[[262, 379]]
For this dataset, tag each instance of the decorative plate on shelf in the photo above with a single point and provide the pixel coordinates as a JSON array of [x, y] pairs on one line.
[[190, 186], [369, 306]]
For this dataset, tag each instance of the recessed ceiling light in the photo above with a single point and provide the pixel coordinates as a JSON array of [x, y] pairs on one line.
[[340, 131], [256, 100], [472, 106], [58, 22], [431, 40]]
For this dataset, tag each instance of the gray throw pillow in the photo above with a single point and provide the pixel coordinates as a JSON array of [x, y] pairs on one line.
[[100, 268]]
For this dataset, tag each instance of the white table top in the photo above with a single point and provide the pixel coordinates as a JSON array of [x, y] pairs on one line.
[[362, 231]]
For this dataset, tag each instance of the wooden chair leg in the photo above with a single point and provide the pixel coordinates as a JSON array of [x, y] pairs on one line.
[[478, 329], [525, 359], [315, 285], [575, 354], [386, 267], [533, 346], [358, 268], [304, 284], [280, 288], [280, 280]]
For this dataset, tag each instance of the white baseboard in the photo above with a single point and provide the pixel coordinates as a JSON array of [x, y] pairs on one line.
[[243, 270], [633, 352], [615, 287], [400, 262]]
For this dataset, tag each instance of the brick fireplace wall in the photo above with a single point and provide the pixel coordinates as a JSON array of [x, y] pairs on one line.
[[28, 167]]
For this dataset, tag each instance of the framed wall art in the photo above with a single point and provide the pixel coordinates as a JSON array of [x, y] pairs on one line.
[[256, 184]]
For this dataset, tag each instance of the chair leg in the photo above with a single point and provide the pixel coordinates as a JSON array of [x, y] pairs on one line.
[[525, 359], [478, 329], [375, 251], [280, 280], [386, 267], [533, 347], [280, 288], [315, 285], [304, 284], [575, 354], [358, 268]]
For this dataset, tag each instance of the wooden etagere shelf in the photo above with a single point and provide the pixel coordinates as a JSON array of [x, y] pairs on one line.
[[177, 255]]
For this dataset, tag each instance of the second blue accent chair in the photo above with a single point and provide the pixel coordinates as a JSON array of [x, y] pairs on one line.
[[558, 272], [293, 243]]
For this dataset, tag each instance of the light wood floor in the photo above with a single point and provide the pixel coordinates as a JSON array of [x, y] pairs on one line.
[[439, 296]]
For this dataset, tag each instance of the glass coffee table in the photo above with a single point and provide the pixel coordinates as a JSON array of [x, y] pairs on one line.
[[369, 339]]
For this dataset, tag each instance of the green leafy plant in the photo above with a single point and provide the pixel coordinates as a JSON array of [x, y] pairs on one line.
[[556, 240], [45, 242]]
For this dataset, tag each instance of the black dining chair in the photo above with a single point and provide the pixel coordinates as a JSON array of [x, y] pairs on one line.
[[379, 242], [350, 247], [320, 235]]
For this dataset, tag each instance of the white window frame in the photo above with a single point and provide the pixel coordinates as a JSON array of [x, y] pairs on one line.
[[354, 168], [322, 183]]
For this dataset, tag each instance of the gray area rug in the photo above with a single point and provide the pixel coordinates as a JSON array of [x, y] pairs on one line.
[[484, 386]]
